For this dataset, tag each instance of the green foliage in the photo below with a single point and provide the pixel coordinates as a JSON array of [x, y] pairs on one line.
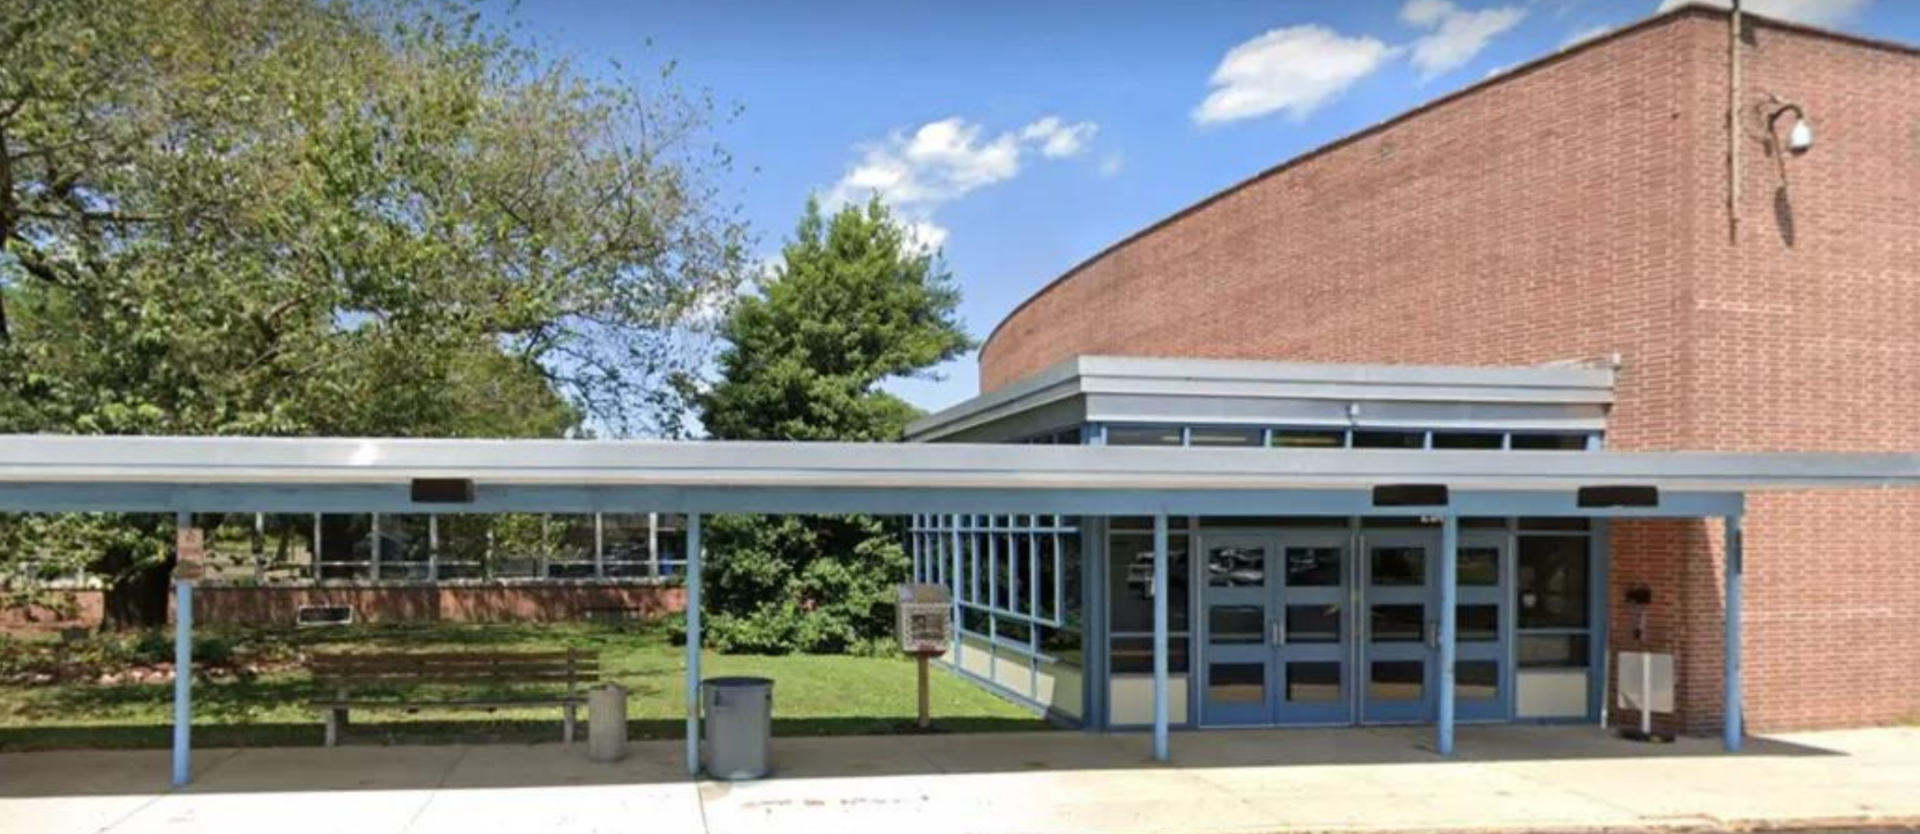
[[91, 693], [303, 217], [852, 305]]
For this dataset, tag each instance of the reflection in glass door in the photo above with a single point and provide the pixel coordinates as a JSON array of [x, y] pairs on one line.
[[1237, 660], [1400, 627]]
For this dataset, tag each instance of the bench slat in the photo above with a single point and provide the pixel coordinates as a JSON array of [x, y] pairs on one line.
[[451, 670], [469, 703], [458, 657], [368, 682]]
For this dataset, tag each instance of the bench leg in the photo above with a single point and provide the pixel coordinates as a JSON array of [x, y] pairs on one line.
[[567, 724]]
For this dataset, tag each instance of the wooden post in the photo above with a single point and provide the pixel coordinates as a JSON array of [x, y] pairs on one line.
[[926, 709]]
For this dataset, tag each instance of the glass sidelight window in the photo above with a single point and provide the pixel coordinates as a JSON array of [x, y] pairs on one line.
[[1553, 582], [1130, 596]]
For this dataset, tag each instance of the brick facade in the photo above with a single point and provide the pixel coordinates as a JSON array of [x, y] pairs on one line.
[[277, 604], [1575, 209]]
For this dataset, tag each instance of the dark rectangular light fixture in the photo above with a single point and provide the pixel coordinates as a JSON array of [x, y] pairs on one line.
[[1619, 496], [443, 490], [1410, 495]]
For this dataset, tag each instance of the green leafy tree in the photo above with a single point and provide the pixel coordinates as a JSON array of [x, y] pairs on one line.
[[303, 217], [852, 304]]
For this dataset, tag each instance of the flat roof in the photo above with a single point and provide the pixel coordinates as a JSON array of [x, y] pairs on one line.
[[1567, 386]]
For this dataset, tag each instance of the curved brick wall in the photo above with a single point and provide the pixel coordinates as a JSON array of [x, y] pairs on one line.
[[1576, 210]]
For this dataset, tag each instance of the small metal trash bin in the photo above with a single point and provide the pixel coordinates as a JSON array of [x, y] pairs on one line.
[[607, 723], [739, 727]]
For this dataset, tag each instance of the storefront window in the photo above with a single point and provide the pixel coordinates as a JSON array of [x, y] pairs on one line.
[[1553, 582]]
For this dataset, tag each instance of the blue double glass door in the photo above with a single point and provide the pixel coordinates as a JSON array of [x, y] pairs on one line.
[[1297, 630], [1275, 634]]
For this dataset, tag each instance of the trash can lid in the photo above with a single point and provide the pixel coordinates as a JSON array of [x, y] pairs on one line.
[[737, 682]]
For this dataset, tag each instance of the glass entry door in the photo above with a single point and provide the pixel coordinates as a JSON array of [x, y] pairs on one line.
[[1276, 634], [1481, 626], [1314, 680], [1400, 626], [1237, 674], [1400, 649]]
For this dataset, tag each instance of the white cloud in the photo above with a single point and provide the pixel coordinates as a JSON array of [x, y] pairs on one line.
[[942, 161], [926, 234], [1817, 12], [1584, 35], [1296, 69], [1457, 34], [1057, 139]]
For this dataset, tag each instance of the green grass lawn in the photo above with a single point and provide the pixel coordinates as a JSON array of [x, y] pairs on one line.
[[813, 694]]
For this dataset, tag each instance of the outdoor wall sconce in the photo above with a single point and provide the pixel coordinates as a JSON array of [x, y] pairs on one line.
[[1799, 137]]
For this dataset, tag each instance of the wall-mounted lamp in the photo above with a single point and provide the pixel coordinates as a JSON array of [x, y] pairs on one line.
[[1800, 136]]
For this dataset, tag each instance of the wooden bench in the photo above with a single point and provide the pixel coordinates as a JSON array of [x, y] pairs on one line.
[[349, 677]]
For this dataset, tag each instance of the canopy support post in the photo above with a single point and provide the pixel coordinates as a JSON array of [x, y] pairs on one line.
[[694, 553], [1735, 567], [1160, 752]]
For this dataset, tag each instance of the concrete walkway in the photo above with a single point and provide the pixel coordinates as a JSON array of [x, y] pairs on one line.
[[1506, 778]]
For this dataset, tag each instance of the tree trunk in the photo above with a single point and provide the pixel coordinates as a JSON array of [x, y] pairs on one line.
[[137, 598]]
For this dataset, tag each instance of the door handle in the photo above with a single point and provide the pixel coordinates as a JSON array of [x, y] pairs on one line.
[[1433, 634], [1277, 632]]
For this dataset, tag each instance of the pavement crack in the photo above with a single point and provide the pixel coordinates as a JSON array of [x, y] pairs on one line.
[[434, 792]]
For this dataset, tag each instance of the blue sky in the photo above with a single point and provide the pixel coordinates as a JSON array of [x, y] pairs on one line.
[[1026, 136]]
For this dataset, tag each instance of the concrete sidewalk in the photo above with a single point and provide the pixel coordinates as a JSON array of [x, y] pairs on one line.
[[1506, 778]]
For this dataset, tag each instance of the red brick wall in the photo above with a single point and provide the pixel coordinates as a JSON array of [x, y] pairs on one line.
[[262, 605], [1575, 209], [74, 609]]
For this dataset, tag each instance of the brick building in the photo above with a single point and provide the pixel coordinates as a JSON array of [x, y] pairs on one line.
[[1565, 224]]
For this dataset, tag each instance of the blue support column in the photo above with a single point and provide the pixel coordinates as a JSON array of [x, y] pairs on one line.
[[1449, 595], [1735, 567], [959, 645], [694, 553], [182, 658], [1160, 753], [183, 682]]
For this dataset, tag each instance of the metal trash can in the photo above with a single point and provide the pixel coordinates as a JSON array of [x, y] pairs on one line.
[[607, 723], [739, 727]]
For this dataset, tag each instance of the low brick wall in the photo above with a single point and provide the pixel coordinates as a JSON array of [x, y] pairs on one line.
[[279, 604], [80, 609], [545, 602]]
